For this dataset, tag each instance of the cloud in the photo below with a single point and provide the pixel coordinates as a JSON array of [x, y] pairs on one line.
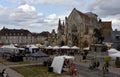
[[115, 21], [104, 7], [51, 19], [27, 8], [26, 16], [107, 10], [56, 2]]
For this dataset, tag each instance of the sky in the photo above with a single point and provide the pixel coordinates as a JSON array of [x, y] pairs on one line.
[[43, 15]]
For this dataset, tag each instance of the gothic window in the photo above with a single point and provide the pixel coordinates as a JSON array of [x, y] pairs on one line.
[[74, 28], [86, 30]]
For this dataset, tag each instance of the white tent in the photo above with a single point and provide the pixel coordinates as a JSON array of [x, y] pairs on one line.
[[74, 47], [112, 51], [65, 47], [87, 48], [113, 56], [49, 47], [31, 47], [9, 48], [56, 47], [57, 67]]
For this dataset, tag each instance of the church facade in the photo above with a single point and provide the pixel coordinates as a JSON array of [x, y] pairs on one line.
[[78, 29]]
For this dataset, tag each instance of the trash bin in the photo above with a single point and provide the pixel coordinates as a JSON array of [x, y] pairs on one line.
[[50, 69]]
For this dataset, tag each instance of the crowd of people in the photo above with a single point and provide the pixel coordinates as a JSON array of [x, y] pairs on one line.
[[94, 64], [70, 64]]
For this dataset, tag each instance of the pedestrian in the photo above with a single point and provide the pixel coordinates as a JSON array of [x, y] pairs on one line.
[[105, 69], [97, 64], [73, 70], [4, 73]]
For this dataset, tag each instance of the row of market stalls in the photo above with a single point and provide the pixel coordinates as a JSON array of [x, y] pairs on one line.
[[50, 50], [34, 48], [62, 47], [37, 50], [61, 50]]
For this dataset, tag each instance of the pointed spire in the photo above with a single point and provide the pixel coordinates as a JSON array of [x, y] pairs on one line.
[[53, 31], [63, 23], [59, 23], [74, 9], [65, 18]]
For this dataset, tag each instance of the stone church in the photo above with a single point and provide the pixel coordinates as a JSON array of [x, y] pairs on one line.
[[78, 29]]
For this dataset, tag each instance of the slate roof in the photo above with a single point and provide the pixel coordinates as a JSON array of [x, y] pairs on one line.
[[14, 32]]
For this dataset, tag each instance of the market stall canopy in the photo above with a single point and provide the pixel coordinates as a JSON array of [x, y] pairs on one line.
[[9, 48], [65, 47], [75, 47], [49, 47], [31, 47], [39, 46], [57, 67], [56, 47], [112, 51], [87, 48], [113, 56]]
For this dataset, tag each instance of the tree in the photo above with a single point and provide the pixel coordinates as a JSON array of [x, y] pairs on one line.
[[85, 43], [98, 35]]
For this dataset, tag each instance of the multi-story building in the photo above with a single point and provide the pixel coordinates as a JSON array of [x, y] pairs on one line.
[[78, 28], [21, 36]]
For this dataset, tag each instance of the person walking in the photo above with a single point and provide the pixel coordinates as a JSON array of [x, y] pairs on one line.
[[105, 69], [4, 73]]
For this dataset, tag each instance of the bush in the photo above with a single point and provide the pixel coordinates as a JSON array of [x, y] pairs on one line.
[[107, 59], [117, 62]]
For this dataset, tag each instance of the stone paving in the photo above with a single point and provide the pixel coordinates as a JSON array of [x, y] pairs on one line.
[[83, 69], [10, 72]]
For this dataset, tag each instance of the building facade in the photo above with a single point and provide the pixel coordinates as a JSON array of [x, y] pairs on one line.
[[78, 28], [21, 36]]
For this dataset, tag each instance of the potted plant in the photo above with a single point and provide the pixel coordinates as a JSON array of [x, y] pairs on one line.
[[117, 62]]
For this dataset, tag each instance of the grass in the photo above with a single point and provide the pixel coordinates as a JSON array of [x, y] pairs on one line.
[[6, 62], [36, 71]]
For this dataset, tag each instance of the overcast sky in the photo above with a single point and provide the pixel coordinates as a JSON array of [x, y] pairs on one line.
[[43, 15]]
